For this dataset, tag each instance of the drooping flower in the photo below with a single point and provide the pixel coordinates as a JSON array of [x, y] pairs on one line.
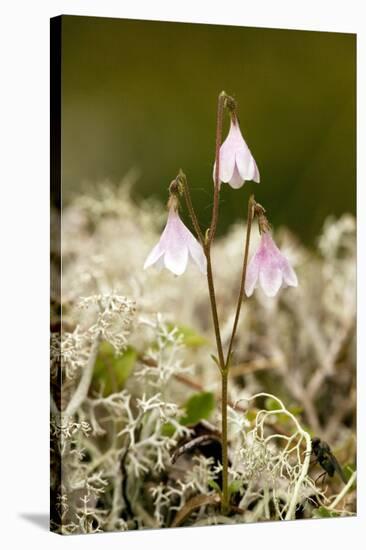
[[270, 268], [237, 164], [176, 244]]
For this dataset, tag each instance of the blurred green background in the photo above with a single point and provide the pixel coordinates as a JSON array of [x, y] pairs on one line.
[[142, 95]]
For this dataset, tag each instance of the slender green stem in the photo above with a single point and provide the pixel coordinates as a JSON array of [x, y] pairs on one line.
[[215, 209], [225, 464], [212, 231], [251, 204], [207, 248], [206, 244], [215, 318]]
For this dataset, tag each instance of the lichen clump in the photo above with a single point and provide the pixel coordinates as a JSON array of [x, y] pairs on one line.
[[132, 381]]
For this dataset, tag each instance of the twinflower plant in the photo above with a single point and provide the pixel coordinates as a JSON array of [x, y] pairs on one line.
[[234, 164]]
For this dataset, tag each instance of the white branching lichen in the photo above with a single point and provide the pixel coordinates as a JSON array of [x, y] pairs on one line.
[[123, 370]]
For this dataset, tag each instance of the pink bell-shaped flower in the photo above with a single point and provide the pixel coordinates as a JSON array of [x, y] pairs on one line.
[[269, 268], [176, 244], [237, 164]]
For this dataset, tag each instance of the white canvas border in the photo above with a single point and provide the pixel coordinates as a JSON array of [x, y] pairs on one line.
[[24, 219]]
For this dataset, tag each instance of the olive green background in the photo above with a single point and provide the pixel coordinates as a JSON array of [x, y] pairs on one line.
[[142, 95]]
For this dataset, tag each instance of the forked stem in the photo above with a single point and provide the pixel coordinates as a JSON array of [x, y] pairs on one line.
[[206, 242]]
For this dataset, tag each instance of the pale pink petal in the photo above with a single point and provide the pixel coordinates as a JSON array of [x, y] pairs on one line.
[[170, 237], [227, 162], [154, 255], [236, 180], [233, 144], [196, 252], [242, 161], [251, 277], [175, 245], [194, 248], [227, 155], [289, 275], [176, 259], [235, 136], [246, 164], [159, 264], [256, 175], [271, 267], [270, 278]]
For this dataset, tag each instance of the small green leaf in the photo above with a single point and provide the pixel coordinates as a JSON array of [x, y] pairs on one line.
[[111, 371], [271, 404], [251, 415], [296, 410], [167, 429], [212, 483], [235, 486], [283, 418], [322, 512], [199, 406], [215, 360], [348, 470], [190, 337]]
